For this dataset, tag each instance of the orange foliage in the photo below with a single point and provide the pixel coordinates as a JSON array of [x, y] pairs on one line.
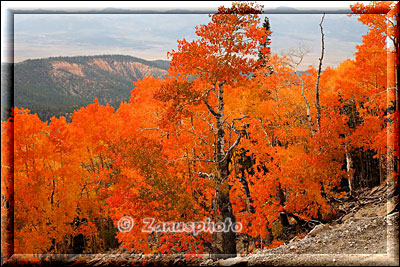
[[144, 159]]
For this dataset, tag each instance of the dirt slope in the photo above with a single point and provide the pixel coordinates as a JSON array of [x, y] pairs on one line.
[[366, 235]]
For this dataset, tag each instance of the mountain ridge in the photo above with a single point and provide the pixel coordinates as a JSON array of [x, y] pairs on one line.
[[56, 86]]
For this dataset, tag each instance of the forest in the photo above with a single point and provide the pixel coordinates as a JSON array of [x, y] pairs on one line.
[[232, 132], [57, 86]]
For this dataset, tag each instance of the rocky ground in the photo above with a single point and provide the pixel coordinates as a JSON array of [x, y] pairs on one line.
[[365, 235]]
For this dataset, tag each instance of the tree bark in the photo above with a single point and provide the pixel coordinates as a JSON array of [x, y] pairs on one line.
[[246, 189], [224, 242], [349, 169], [311, 124], [317, 104]]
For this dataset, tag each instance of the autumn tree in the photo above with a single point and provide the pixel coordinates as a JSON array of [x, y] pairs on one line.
[[367, 89], [190, 116], [238, 122], [233, 133], [7, 187], [151, 181], [221, 59], [58, 201]]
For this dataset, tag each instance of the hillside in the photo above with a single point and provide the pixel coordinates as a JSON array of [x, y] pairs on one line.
[[58, 85], [366, 235]]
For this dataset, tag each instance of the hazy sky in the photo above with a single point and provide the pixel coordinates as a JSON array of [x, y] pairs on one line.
[[150, 36]]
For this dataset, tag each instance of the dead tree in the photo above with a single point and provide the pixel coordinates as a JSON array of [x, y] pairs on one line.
[[317, 104]]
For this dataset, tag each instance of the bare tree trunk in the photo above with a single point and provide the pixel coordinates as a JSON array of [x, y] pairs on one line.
[[308, 109], [224, 243], [317, 104], [246, 189], [349, 169]]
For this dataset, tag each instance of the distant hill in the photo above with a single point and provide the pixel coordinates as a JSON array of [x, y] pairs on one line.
[[58, 85]]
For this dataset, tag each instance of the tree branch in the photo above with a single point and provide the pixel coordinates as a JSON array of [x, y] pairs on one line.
[[205, 175], [318, 75], [265, 132], [237, 139], [205, 99], [307, 108]]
